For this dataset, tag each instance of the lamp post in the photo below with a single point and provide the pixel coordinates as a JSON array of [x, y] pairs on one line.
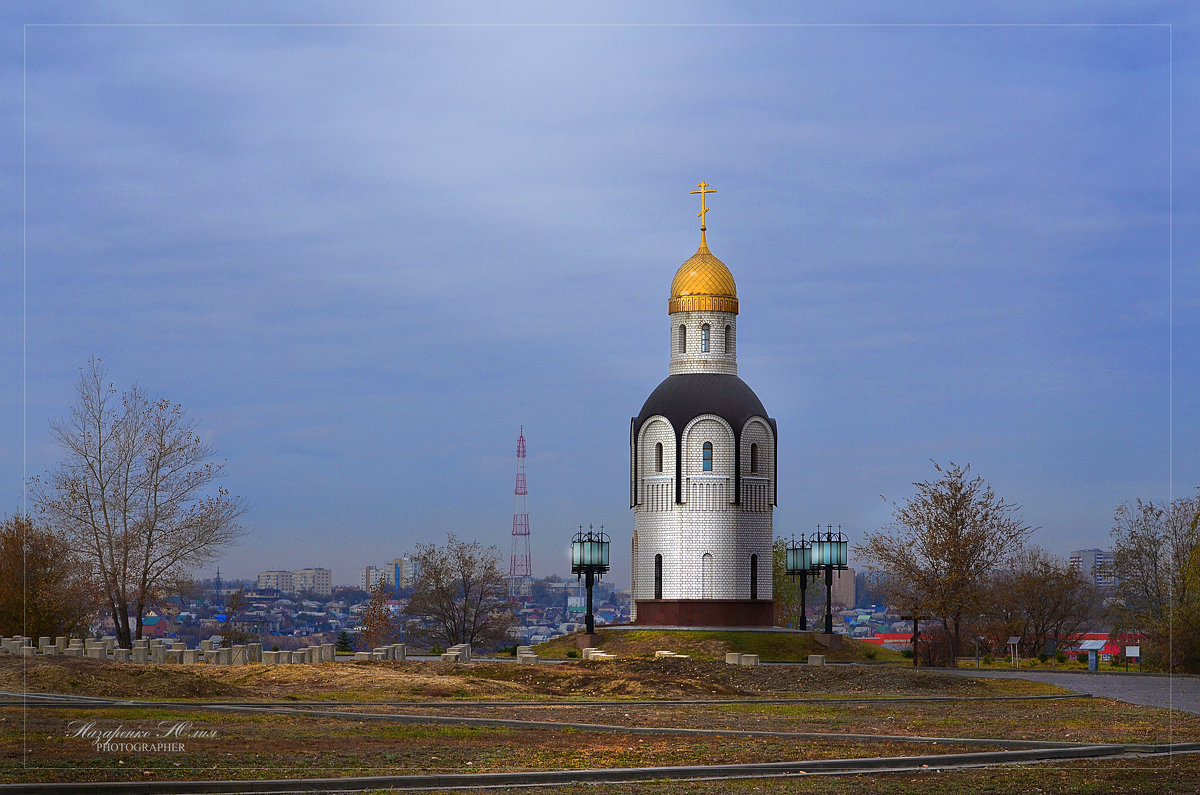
[[829, 552], [799, 562], [589, 558]]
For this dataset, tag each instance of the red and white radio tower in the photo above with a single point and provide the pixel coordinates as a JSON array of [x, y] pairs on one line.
[[518, 567]]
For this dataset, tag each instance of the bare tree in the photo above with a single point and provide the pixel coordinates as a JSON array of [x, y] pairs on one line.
[[1156, 560], [380, 626], [135, 495], [1039, 598], [460, 595], [45, 589], [941, 547]]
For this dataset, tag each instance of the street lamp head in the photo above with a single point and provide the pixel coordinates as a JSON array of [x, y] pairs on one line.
[[829, 549], [589, 551], [799, 557]]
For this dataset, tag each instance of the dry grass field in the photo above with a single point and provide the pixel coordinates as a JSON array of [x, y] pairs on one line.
[[359, 730]]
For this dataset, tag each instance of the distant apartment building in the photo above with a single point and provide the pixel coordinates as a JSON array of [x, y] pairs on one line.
[[318, 581], [399, 573], [315, 580], [1095, 565], [844, 590], [282, 581], [372, 576]]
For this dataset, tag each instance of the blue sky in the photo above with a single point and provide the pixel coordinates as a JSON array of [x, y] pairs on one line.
[[364, 256]]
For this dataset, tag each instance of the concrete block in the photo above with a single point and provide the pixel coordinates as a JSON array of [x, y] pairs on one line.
[[749, 659], [238, 655], [28, 651], [110, 642], [51, 650], [141, 655], [449, 656], [660, 653], [527, 659], [224, 656], [174, 656], [399, 651], [74, 651], [206, 645], [98, 652], [254, 652], [190, 656], [816, 659], [62, 641], [210, 656], [121, 655], [158, 654], [178, 645], [43, 642], [733, 658], [366, 655], [270, 657]]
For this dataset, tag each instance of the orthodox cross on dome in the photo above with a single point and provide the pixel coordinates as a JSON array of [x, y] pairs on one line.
[[704, 191]]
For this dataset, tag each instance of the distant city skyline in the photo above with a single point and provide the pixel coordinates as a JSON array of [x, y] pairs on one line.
[[364, 256]]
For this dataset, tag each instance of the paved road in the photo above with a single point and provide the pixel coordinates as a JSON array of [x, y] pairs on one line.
[[1175, 692]]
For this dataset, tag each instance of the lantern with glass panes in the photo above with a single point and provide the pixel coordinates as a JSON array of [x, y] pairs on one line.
[[799, 564], [829, 552], [589, 559]]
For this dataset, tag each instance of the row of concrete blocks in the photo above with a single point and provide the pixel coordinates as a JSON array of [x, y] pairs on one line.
[[326, 652], [21, 644], [592, 653], [663, 653], [734, 658], [458, 653], [393, 651], [525, 655], [144, 651]]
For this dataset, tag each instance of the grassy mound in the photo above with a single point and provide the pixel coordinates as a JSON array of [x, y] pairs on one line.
[[714, 644]]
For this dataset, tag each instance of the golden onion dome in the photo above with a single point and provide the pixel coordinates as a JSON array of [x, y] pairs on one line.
[[703, 284]]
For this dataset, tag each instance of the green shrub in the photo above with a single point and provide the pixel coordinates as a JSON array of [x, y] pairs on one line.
[[870, 654], [1061, 657], [1043, 657], [435, 649], [572, 653], [1081, 657], [906, 654], [988, 659]]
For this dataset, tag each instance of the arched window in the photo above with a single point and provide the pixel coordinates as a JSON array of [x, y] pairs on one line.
[[753, 457], [658, 576], [704, 332], [706, 584], [754, 576], [706, 456], [658, 457], [728, 350], [682, 338]]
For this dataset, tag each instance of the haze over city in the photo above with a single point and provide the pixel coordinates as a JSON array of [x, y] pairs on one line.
[[364, 256]]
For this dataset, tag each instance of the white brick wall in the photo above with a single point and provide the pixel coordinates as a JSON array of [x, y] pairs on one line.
[[707, 522]]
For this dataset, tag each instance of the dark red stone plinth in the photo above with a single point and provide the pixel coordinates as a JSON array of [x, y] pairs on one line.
[[705, 612]]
